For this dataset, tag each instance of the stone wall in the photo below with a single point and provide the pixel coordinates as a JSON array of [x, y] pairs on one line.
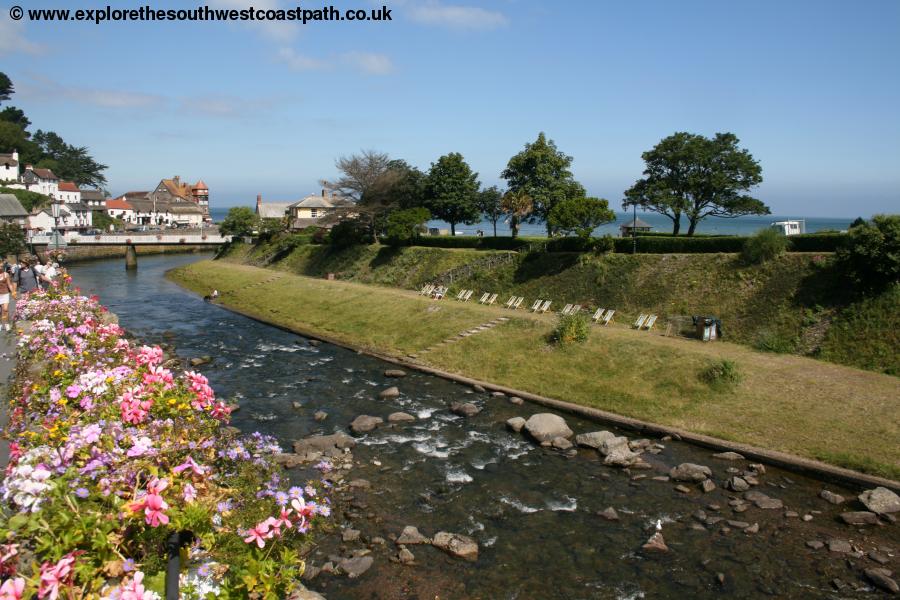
[[84, 253]]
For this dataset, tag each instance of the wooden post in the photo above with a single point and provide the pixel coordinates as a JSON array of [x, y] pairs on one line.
[[130, 258]]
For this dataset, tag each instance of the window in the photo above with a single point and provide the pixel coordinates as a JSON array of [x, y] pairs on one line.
[[313, 212]]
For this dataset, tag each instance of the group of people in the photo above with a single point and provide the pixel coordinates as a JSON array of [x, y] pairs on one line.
[[22, 277]]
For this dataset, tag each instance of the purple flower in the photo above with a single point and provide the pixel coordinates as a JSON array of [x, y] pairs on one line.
[[281, 498], [82, 492], [128, 565]]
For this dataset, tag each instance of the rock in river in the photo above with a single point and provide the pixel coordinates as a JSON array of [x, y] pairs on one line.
[[457, 545], [880, 500], [593, 439], [690, 472], [516, 424], [737, 484], [763, 501], [364, 423], [656, 543], [609, 514], [859, 518], [728, 456], [354, 567], [881, 579], [831, 497], [400, 417], [411, 536], [314, 447], [464, 409], [395, 373], [621, 456], [391, 392], [544, 427]]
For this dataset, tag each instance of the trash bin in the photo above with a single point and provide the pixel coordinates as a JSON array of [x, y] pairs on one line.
[[330, 277], [707, 328]]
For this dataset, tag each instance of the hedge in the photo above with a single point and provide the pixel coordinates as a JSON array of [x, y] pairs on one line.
[[483, 243]]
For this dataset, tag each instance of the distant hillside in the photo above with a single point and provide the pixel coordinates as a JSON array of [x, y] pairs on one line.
[[795, 304]]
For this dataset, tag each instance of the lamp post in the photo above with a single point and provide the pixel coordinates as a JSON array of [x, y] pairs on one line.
[[55, 206]]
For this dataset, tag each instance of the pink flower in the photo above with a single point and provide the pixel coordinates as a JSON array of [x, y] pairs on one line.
[[152, 503], [12, 589], [285, 518], [134, 589], [190, 494], [258, 534], [190, 464], [54, 576], [73, 390]]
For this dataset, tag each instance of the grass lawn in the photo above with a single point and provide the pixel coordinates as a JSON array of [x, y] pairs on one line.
[[841, 415]]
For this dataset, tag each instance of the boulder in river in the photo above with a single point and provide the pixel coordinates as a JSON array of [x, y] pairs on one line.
[[881, 578], [544, 427], [516, 400], [457, 545], [612, 444], [354, 567], [288, 460], [301, 593], [728, 456], [656, 543], [561, 443], [364, 423], [516, 424], [391, 392], [316, 446], [410, 536], [395, 373], [200, 361], [863, 517], [690, 472], [464, 409], [621, 456], [763, 501], [831, 497], [400, 417], [880, 500], [478, 388], [609, 514], [593, 439], [737, 484], [320, 415]]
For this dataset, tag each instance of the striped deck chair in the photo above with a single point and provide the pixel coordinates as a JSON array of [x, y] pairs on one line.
[[566, 309], [608, 317], [468, 295], [640, 321], [518, 302], [427, 289], [537, 305], [545, 306], [648, 324], [575, 309], [509, 302], [598, 314], [460, 295], [484, 297], [492, 299]]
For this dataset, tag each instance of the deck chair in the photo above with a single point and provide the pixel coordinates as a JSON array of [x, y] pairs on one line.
[[536, 306], [492, 299], [648, 324], [460, 295], [566, 309], [518, 302], [427, 289], [545, 306], [598, 314], [608, 317], [509, 302], [575, 309], [484, 297], [468, 295], [640, 321], [439, 293]]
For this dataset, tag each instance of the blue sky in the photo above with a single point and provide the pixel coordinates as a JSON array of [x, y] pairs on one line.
[[810, 87]]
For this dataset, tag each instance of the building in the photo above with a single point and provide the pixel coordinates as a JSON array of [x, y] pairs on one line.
[[138, 208], [72, 217], [789, 227], [271, 210], [174, 190], [317, 206], [120, 208], [93, 198], [634, 226], [9, 167], [42, 181], [69, 193], [12, 211]]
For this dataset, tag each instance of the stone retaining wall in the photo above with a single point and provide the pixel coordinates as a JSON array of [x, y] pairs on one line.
[[76, 253]]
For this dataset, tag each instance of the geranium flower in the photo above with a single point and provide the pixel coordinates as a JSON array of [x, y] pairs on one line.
[[193, 466], [257, 534], [55, 576], [12, 589]]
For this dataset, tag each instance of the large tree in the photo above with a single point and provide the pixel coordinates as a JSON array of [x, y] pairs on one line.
[[581, 216], [697, 177], [6, 87], [542, 172], [14, 115], [517, 205], [490, 203], [451, 191], [239, 221], [69, 162]]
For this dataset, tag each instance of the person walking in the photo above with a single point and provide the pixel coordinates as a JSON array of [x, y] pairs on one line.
[[7, 289], [28, 279]]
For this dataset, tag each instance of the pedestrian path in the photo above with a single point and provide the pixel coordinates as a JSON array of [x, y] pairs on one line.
[[461, 336], [7, 367]]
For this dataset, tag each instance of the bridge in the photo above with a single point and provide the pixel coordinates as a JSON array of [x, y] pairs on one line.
[[130, 240]]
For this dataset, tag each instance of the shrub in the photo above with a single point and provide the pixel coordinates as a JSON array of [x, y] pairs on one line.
[[871, 254], [569, 329], [721, 374], [772, 341], [680, 244], [816, 242], [605, 244], [766, 245], [349, 233], [404, 226]]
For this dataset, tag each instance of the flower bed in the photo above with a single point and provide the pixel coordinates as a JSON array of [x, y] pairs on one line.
[[111, 453]]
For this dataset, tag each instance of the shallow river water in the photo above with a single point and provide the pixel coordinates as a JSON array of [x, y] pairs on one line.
[[532, 510]]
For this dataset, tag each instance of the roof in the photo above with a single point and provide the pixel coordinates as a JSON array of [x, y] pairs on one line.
[[272, 210], [184, 208], [118, 204], [89, 194], [181, 190], [200, 186], [317, 201], [11, 207], [7, 159], [45, 174], [635, 223], [68, 186]]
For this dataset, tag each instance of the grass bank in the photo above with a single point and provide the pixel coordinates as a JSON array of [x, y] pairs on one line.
[[840, 415]]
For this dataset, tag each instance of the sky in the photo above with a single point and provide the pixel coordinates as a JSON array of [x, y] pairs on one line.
[[811, 88]]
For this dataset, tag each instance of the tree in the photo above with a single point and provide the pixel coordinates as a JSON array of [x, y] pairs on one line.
[[6, 87], [542, 172], [858, 221], [871, 256], [68, 162], [491, 206], [12, 239], [13, 137], [402, 185], [518, 205], [407, 224], [14, 115], [698, 177], [580, 216], [240, 221], [451, 191]]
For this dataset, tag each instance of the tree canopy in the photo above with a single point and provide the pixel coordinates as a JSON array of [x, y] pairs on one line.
[[451, 191], [871, 255], [12, 239], [542, 172], [6, 87], [406, 224], [580, 216], [697, 177], [240, 221], [518, 205], [490, 203]]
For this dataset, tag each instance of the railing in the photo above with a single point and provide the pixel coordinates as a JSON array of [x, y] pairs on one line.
[[125, 239]]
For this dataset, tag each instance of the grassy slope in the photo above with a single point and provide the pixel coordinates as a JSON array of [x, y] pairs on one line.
[[811, 408], [792, 305]]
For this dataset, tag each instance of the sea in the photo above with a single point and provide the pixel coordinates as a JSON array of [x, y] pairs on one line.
[[710, 225]]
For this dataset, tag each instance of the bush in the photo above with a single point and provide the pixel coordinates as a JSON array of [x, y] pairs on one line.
[[766, 245], [483, 243], [349, 233], [871, 254], [569, 329], [771, 341], [721, 374], [816, 242], [404, 226], [604, 245], [680, 244]]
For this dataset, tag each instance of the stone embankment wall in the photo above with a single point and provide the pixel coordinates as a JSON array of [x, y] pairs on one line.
[[85, 253]]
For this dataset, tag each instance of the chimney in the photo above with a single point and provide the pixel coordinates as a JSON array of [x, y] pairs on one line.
[[29, 167], [15, 155], [323, 192], [177, 180], [258, 201]]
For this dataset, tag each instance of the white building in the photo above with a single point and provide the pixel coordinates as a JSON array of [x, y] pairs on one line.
[[42, 181], [789, 227], [69, 193], [75, 217], [9, 167], [120, 208]]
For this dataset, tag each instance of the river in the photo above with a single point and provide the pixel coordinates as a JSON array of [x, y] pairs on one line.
[[532, 510]]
